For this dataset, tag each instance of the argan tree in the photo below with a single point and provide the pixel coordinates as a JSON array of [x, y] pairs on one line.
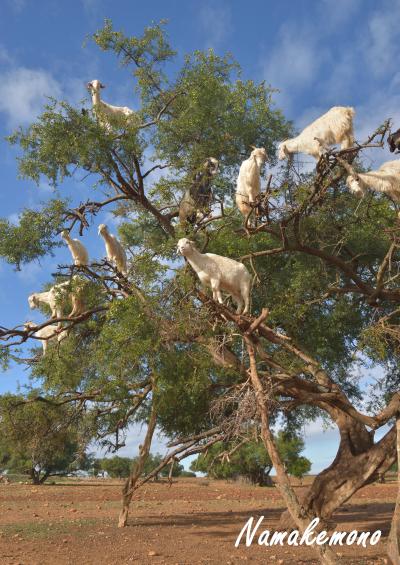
[[251, 461], [116, 466], [39, 439], [153, 347]]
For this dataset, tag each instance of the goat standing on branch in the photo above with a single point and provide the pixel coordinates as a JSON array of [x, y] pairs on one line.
[[45, 334], [115, 251], [78, 250], [335, 126], [199, 195], [50, 297], [249, 182], [57, 294], [103, 109], [219, 273], [386, 179]]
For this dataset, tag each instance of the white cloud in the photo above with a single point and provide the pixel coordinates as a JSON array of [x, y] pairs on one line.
[[110, 219], [294, 63], [338, 87], [321, 444], [5, 57], [309, 115], [92, 7], [216, 22], [75, 89], [382, 47], [318, 428], [23, 92], [17, 5], [135, 437], [45, 187], [336, 13], [371, 114], [358, 68], [13, 219]]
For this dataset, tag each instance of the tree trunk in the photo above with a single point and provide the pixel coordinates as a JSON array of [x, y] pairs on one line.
[[127, 491], [297, 512], [358, 462], [393, 547], [35, 476], [44, 477], [354, 466], [268, 482]]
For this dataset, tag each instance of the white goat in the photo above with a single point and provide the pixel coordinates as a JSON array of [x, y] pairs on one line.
[[115, 251], [57, 294], [78, 250], [248, 183], [103, 109], [219, 273], [50, 297], [386, 179], [45, 334], [335, 126]]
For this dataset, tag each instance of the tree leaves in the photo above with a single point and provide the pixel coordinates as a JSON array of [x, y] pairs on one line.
[[33, 236]]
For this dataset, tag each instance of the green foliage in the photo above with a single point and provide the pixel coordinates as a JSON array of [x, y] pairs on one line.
[[251, 459], [300, 467], [186, 375], [120, 467], [154, 461], [150, 335], [146, 53], [116, 466], [219, 115], [33, 236], [188, 474], [61, 139], [39, 438]]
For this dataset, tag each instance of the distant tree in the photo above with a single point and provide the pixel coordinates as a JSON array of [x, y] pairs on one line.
[[290, 446], [154, 460], [85, 462], [187, 474], [38, 439], [251, 460], [4, 455], [300, 467], [96, 467], [177, 470], [118, 467]]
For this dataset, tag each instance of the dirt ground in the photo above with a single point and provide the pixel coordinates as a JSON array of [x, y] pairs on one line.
[[193, 521]]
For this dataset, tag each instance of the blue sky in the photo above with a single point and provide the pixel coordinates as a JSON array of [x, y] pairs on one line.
[[318, 53]]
